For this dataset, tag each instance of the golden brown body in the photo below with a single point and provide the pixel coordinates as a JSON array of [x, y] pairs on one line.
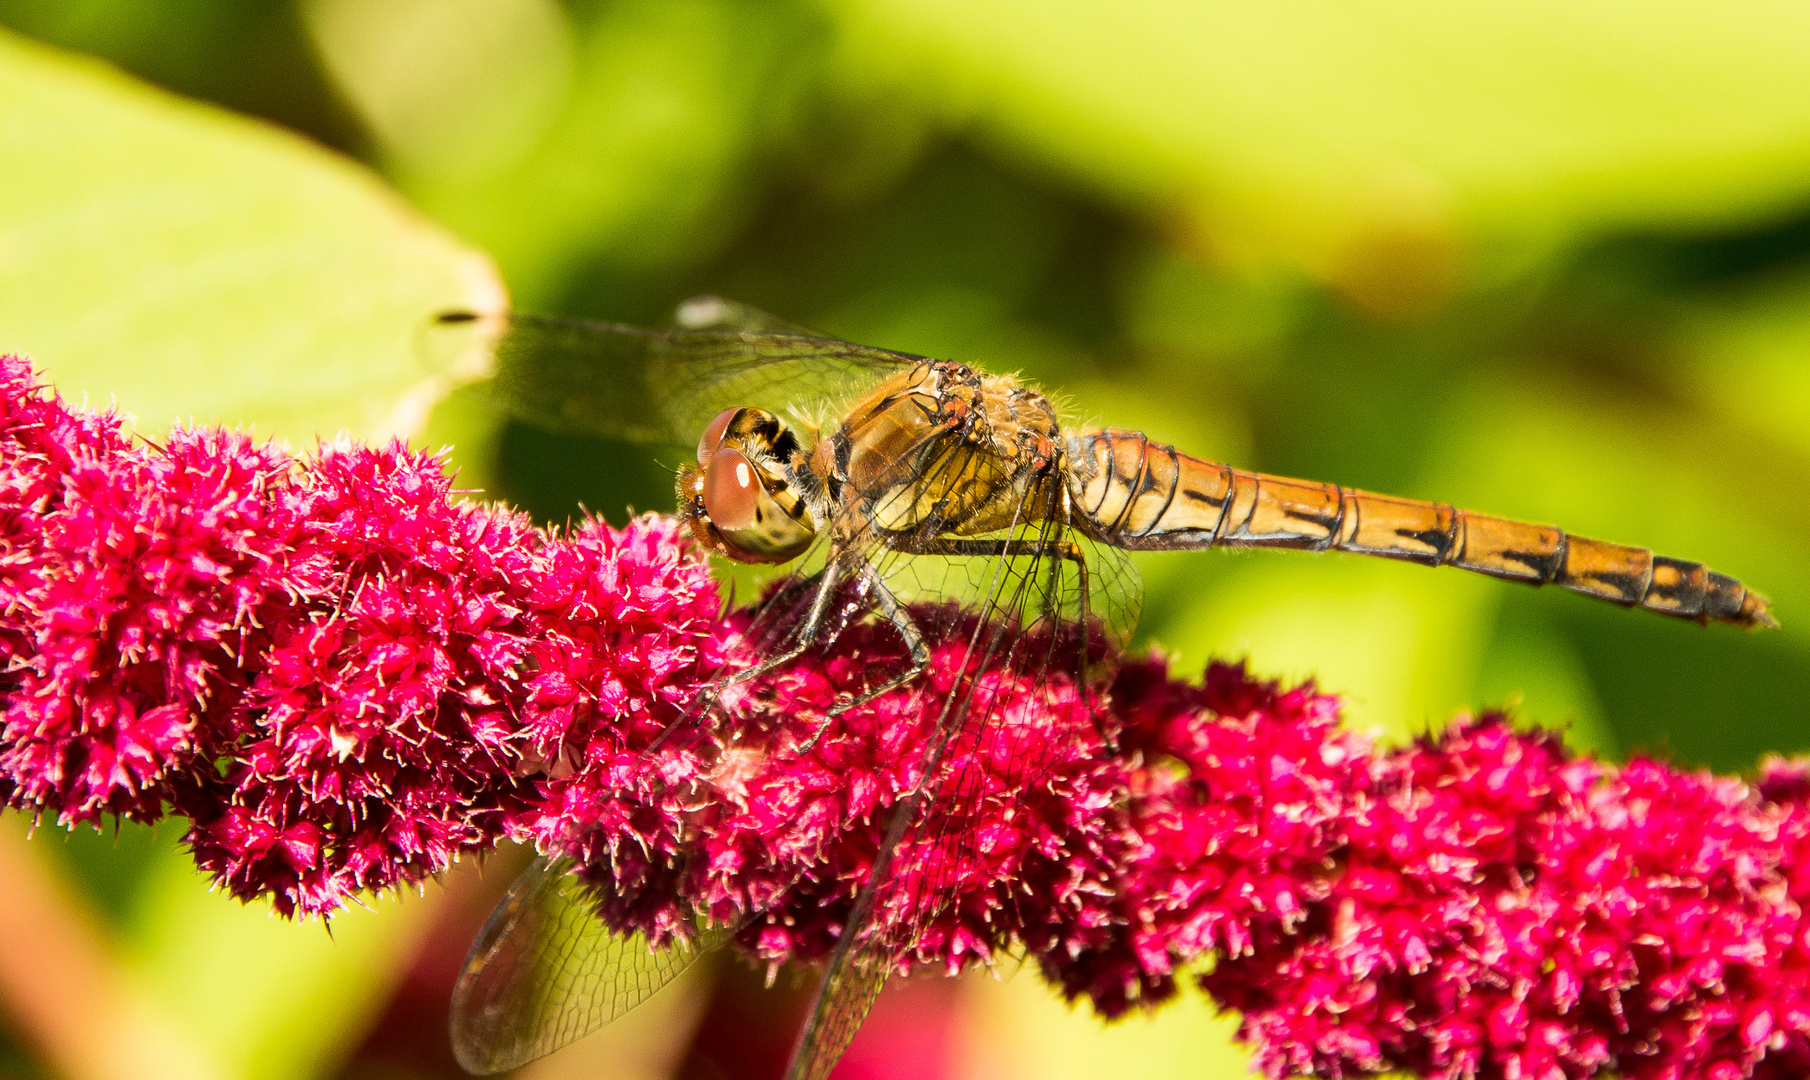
[[943, 451], [1135, 493]]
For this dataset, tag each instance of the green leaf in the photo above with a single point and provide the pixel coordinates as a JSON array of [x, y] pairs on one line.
[[648, 149], [192, 264], [1376, 140]]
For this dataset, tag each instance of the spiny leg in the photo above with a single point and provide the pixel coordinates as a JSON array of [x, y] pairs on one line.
[[807, 633], [901, 619], [907, 627], [784, 598], [702, 703]]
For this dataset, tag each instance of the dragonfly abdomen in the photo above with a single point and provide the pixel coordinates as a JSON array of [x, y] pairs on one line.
[[1138, 494]]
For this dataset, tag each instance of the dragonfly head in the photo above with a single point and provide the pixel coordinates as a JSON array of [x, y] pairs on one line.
[[736, 499]]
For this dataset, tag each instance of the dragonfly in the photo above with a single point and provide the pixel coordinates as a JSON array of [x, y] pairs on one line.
[[908, 490]]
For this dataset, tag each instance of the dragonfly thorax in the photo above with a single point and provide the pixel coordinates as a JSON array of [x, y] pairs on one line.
[[739, 499], [944, 449]]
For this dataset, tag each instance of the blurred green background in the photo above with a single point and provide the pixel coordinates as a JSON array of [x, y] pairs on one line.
[[1548, 260]]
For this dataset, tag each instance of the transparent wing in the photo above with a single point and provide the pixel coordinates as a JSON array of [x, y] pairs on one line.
[[856, 974], [850, 987], [1037, 597], [546, 970], [659, 386]]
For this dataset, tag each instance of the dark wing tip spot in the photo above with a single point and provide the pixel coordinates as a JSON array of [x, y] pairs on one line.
[[456, 317]]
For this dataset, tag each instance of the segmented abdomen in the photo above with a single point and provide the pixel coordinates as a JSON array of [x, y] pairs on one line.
[[1138, 494]]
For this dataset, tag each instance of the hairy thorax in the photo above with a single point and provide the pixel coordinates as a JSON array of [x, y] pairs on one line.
[[944, 450]]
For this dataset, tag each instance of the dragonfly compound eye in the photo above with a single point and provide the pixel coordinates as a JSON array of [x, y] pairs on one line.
[[745, 505], [713, 437], [732, 490]]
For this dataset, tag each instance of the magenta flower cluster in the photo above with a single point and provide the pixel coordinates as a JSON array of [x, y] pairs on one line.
[[325, 666], [345, 677]]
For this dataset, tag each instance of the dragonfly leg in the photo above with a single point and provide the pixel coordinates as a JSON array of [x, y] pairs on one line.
[[1095, 710], [706, 699], [808, 631], [901, 621], [789, 594]]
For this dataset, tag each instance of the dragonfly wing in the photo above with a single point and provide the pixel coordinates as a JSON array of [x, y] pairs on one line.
[[716, 313], [662, 387], [848, 992], [1024, 591], [546, 970], [858, 968]]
